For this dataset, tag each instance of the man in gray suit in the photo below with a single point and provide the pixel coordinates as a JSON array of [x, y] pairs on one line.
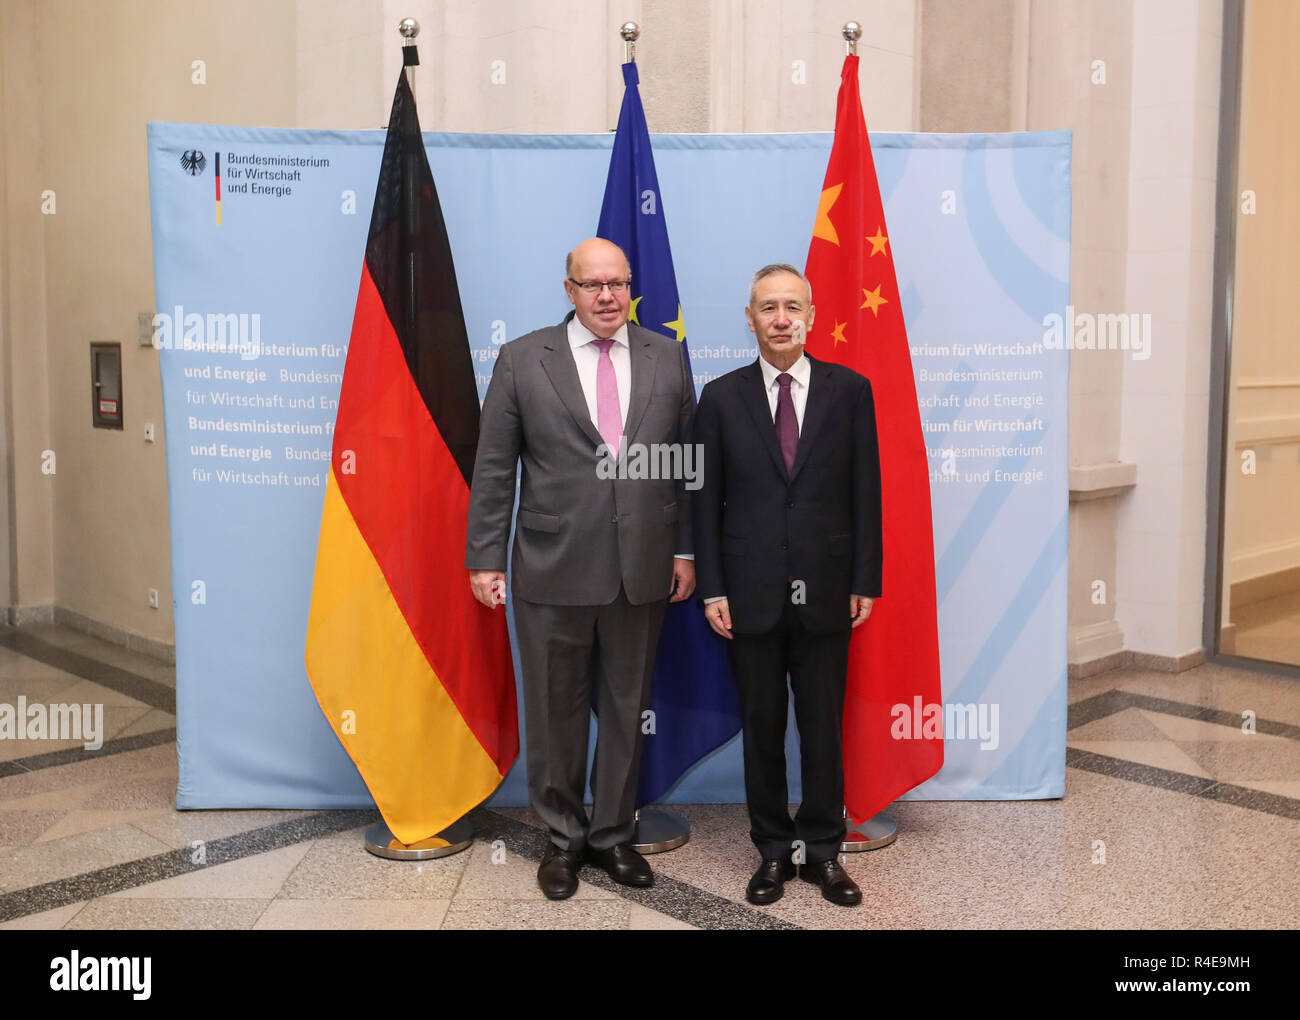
[[596, 554]]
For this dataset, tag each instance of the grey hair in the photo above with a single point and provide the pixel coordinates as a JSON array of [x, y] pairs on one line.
[[772, 270]]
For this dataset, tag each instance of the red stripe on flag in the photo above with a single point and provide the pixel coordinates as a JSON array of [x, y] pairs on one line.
[[410, 502]]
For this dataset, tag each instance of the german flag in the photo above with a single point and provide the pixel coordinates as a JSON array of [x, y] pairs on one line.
[[413, 674]]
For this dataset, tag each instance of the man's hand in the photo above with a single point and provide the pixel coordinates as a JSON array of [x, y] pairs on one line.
[[859, 609], [719, 616], [683, 579], [488, 586]]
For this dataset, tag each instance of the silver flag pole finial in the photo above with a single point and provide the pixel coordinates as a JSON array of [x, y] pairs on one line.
[[852, 32], [630, 32], [408, 29]]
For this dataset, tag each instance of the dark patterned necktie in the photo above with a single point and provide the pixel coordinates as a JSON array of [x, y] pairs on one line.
[[787, 425]]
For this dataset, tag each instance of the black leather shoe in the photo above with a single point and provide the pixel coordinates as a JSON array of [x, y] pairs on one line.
[[624, 865], [558, 873], [768, 883], [835, 882]]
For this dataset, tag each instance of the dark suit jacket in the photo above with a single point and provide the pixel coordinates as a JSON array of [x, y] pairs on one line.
[[757, 527], [578, 536]]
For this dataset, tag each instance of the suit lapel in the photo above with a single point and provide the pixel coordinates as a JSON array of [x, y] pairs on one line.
[[815, 409], [562, 370], [754, 396], [642, 361]]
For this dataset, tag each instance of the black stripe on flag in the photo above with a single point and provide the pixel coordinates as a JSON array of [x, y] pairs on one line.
[[410, 261]]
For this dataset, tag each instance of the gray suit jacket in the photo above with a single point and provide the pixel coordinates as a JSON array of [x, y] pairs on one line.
[[579, 536]]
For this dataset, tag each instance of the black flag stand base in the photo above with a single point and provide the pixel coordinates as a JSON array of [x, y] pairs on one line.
[[451, 840], [657, 831], [870, 835]]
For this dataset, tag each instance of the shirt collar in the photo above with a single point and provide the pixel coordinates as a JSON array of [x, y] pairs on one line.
[[580, 334], [801, 370]]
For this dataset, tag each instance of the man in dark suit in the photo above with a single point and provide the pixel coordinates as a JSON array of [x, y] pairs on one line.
[[596, 554], [788, 556]]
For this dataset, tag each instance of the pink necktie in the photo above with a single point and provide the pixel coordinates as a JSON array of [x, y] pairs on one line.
[[609, 417]]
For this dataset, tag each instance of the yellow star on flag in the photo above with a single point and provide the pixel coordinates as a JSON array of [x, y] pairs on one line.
[[873, 300], [837, 334], [823, 227], [632, 311], [878, 242], [677, 325]]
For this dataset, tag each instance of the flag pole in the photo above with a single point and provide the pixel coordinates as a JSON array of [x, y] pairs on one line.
[[459, 835], [630, 31], [880, 830], [409, 28], [852, 32], [656, 831]]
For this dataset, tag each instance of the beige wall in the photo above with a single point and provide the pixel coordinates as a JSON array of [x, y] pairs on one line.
[[79, 81], [705, 65], [23, 301], [1160, 542], [1264, 537], [1080, 71], [967, 75]]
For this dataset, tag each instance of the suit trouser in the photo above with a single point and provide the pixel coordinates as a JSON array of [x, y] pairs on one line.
[[818, 666], [564, 651]]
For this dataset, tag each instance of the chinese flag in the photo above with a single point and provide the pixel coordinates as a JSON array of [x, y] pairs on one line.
[[412, 673], [894, 656]]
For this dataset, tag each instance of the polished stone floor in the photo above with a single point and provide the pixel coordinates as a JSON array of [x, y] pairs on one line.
[[1173, 818], [1269, 629]]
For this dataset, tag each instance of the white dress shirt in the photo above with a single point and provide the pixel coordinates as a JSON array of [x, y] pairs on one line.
[[586, 355], [800, 372]]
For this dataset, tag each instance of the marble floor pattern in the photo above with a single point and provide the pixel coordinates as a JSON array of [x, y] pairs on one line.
[[1173, 818]]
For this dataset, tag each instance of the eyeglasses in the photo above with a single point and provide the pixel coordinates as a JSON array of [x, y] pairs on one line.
[[596, 286]]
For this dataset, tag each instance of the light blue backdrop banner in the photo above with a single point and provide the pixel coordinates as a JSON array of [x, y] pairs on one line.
[[254, 318]]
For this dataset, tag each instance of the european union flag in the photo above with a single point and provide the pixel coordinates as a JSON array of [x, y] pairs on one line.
[[695, 705]]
